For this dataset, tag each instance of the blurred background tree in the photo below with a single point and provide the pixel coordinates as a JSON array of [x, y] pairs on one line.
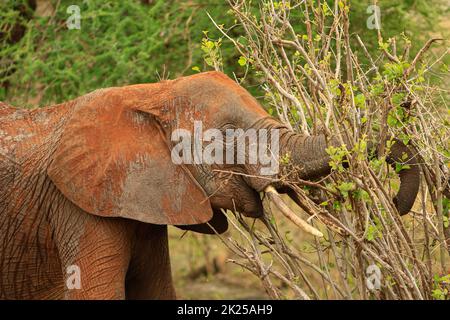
[[124, 42]]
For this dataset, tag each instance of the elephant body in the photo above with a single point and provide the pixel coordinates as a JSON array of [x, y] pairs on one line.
[[29, 261], [90, 184]]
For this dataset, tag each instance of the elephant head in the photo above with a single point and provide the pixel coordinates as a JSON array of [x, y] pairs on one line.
[[115, 154]]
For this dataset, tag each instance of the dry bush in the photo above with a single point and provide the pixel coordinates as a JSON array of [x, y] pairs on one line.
[[318, 82]]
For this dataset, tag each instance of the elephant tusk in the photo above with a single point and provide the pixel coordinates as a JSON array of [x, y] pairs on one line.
[[275, 197]]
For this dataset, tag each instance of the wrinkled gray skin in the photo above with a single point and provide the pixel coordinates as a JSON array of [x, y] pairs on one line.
[[42, 232]]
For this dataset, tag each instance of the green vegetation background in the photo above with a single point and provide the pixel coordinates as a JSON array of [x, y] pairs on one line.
[[125, 42]]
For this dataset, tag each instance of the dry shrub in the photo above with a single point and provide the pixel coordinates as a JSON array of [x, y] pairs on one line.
[[318, 82]]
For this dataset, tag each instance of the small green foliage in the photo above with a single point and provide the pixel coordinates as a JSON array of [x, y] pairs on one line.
[[394, 71], [334, 87], [399, 167], [211, 52], [397, 117], [324, 203], [285, 159], [337, 205], [362, 195], [360, 101], [439, 293], [374, 230], [371, 231], [325, 62], [326, 10], [338, 157], [440, 287], [295, 115], [307, 69], [377, 163], [281, 5], [376, 89], [404, 137], [389, 144], [242, 61], [383, 45], [344, 6], [346, 187], [360, 149], [397, 98]]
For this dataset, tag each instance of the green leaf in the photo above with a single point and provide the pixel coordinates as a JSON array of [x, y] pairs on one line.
[[446, 222], [325, 10], [360, 101], [374, 230], [371, 230], [439, 294], [392, 120], [242, 61], [399, 167], [346, 187], [284, 160], [398, 98], [377, 89], [195, 68], [405, 138], [337, 205]]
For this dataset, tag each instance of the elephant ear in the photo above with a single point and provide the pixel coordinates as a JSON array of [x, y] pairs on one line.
[[115, 161], [218, 224]]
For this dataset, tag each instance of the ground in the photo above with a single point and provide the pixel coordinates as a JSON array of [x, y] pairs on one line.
[[193, 254]]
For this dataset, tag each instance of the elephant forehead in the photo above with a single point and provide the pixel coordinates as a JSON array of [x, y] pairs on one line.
[[220, 96]]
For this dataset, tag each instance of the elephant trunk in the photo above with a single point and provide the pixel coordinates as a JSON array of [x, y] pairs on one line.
[[409, 175], [309, 154]]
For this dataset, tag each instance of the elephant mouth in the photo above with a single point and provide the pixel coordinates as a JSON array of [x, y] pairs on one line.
[[277, 200], [270, 190]]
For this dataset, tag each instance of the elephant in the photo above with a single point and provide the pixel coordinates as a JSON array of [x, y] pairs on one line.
[[90, 185]]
